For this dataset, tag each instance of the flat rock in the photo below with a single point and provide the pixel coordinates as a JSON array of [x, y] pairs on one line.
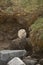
[[7, 55], [16, 61]]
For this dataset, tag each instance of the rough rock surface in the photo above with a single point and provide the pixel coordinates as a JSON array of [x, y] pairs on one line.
[[30, 61], [7, 55], [16, 61]]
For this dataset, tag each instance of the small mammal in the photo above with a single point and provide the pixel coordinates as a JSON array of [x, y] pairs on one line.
[[21, 42]]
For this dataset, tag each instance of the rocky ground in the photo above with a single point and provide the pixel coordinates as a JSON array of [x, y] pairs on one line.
[[8, 32], [28, 15], [14, 57]]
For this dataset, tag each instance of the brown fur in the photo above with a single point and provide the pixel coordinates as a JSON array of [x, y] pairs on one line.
[[21, 44]]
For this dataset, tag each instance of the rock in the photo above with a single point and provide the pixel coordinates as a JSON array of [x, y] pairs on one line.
[[2, 62], [16, 61], [7, 55], [35, 56], [41, 61], [28, 57], [30, 61], [37, 64]]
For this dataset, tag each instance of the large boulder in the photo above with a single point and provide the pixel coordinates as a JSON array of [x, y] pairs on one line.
[[7, 55]]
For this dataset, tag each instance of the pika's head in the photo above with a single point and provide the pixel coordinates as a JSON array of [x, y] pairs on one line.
[[22, 33]]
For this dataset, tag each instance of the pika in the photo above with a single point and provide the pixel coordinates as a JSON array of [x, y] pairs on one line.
[[21, 42]]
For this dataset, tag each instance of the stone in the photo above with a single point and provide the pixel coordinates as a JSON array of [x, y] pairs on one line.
[[34, 55], [16, 61], [30, 61], [41, 61], [28, 57], [2, 62], [7, 55]]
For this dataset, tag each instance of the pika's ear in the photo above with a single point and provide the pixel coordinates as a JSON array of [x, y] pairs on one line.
[[22, 33]]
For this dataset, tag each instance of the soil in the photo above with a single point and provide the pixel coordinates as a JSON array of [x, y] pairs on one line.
[[8, 32]]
